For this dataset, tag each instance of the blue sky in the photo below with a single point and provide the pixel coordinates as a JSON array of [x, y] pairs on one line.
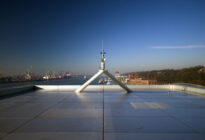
[[67, 35]]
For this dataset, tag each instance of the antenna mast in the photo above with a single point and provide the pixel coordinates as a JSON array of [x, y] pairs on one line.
[[103, 58], [100, 72]]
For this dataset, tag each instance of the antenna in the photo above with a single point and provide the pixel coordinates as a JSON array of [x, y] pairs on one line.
[[103, 58], [102, 45], [99, 73], [103, 52]]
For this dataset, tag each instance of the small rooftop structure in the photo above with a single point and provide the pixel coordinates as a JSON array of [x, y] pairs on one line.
[[100, 72]]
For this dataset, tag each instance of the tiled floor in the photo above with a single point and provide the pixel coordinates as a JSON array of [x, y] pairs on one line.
[[108, 115]]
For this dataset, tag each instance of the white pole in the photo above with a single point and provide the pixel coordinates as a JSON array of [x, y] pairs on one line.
[[100, 72]]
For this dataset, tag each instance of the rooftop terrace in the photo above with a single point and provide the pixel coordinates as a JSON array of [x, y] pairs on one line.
[[103, 114]]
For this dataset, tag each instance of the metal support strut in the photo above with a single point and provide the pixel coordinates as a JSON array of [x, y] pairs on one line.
[[99, 73]]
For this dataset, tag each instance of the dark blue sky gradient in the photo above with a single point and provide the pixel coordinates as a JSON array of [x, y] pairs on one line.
[[66, 35]]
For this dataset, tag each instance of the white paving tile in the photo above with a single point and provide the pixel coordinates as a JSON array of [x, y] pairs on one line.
[[55, 136], [153, 136], [66, 115]]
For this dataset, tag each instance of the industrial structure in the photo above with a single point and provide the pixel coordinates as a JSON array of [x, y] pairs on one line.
[[100, 72]]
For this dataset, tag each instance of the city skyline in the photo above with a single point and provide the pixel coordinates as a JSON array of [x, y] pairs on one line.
[[67, 35]]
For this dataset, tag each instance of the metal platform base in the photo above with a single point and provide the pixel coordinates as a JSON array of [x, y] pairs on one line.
[[99, 73]]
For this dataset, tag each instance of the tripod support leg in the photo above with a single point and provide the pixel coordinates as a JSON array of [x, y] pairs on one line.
[[117, 81], [100, 72]]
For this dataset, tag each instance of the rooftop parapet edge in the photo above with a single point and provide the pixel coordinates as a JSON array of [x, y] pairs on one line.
[[132, 87]]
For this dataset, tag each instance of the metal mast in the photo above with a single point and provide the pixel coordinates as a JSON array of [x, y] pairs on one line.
[[100, 72], [103, 58]]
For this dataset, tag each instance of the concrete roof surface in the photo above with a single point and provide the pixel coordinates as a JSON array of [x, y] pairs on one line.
[[103, 114]]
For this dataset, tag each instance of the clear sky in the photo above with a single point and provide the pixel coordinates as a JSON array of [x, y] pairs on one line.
[[67, 35]]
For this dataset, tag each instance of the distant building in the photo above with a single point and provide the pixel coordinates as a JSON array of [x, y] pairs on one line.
[[117, 74], [121, 78], [27, 76], [134, 76], [124, 79], [133, 79]]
